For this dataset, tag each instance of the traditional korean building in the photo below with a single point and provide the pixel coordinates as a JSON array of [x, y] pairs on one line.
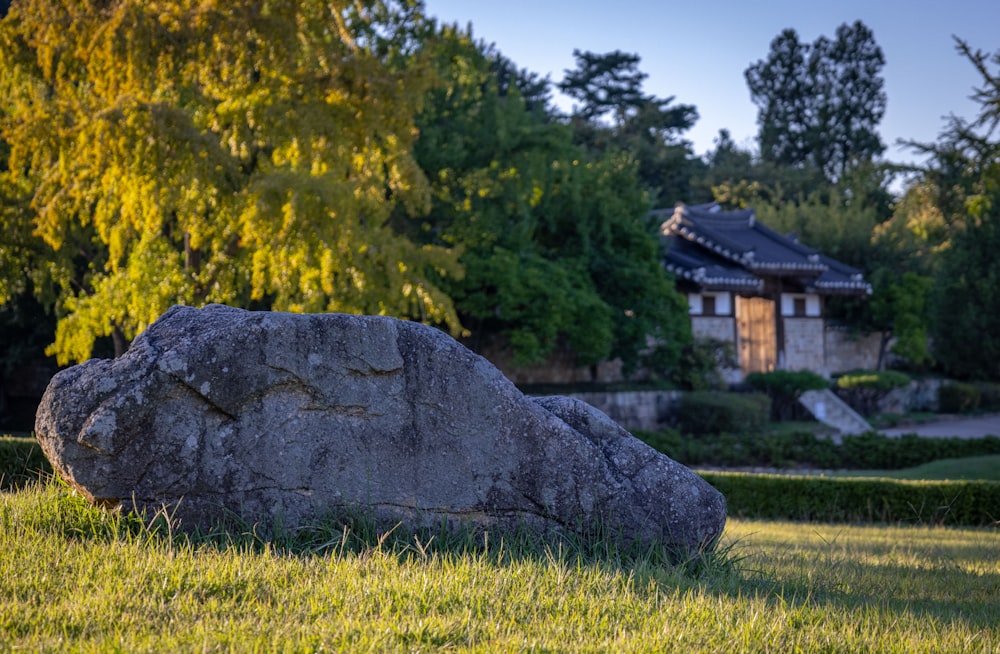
[[754, 287]]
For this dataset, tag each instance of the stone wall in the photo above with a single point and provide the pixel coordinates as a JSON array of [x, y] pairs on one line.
[[846, 351], [648, 410], [804, 344], [919, 395], [558, 368], [722, 328]]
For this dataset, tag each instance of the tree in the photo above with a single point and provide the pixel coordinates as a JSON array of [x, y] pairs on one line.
[[605, 84], [237, 152], [820, 104], [966, 297], [781, 87], [615, 114], [553, 237]]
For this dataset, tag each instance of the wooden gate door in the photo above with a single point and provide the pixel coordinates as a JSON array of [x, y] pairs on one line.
[[758, 341]]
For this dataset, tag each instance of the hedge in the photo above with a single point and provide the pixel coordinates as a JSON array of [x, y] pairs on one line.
[[824, 499]]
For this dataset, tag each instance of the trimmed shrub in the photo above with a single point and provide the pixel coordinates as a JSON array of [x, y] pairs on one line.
[[874, 379], [709, 412], [784, 387], [958, 398], [823, 499], [864, 390]]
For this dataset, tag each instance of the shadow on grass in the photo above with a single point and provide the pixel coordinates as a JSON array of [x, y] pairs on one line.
[[21, 462]]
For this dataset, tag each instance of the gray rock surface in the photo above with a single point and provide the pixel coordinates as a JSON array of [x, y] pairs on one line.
[[288, 418]]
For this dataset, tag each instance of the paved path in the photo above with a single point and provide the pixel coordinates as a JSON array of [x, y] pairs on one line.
[[972, 427]]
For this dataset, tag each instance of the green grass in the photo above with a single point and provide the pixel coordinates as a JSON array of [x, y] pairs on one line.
[[77, 578], [985, 468]]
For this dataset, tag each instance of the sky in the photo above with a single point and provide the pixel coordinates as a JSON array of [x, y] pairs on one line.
[[697, 51]]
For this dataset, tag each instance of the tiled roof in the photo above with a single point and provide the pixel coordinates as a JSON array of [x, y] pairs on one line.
[[707, 243], [713, 273]]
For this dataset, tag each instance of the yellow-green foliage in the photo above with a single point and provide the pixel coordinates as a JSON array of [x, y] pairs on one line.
[[215, 151]]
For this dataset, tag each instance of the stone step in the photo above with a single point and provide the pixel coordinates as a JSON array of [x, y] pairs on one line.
[[829, 409]]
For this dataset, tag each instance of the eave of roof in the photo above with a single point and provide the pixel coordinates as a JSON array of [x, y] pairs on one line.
[[840, 278]]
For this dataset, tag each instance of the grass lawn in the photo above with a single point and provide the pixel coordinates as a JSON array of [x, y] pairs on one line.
[[985, 468], [77, 578]]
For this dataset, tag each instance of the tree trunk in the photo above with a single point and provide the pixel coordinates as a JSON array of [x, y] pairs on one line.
[[118, 338]]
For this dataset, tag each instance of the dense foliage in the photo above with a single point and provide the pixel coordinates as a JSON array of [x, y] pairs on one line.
[[193, 152], [963, 191], [357, 157], [351, 157], [553, 238], [616, 115]]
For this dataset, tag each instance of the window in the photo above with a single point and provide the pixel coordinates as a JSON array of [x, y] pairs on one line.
[[708, 305], [799, 307]]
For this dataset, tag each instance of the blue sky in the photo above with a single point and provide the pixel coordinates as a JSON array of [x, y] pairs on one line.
[[697, 51]]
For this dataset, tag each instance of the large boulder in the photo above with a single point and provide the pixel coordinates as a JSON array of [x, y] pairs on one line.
[[279, 418]]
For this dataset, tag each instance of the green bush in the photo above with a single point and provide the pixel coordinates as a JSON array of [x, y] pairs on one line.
[[884, 380], [784, 497], [784, 387], [864, 390], [710, 412], [698, 368], [958, 398], [989, 395]]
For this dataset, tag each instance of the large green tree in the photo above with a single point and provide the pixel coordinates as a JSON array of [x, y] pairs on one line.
[[553, 236], [965, 172], [247, 152], [820, 104]]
